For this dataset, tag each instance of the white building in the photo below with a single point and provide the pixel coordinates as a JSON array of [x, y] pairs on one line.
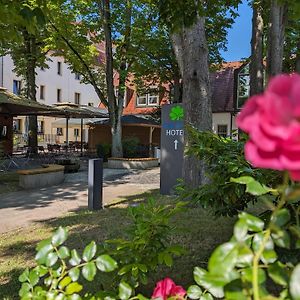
[[54, 85]]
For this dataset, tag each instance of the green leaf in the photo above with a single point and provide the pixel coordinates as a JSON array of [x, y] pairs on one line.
[[63, 252], [242, 179], [75, 258], [194, 292], [234, 290], [282, 239], [24, 276], [89, 271], [125, 290], [248, 273], [253, 187], [269, 256], [240, 230], [43, 248], [64, 282], [74, 273], [59, 237], [258, 240], [207, 296], [245, 256], [214, 283], [51, 259], [281, 217], [33, 278], [294, 283], [89, 251], [199, 274], [73, 288], [223, 259], [254, 224], [105, 263], [278, 274], [168, 259], [25, 288]]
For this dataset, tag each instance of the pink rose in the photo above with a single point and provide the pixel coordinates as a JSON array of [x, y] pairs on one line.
[[272, 121], [167, 288]]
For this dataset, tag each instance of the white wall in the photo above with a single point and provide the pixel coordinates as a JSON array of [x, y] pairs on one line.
[[223, 119], [52, 81]]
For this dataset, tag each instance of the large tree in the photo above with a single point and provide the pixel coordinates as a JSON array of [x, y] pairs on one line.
[[82, 28], [257, 53], [24, 26], [190, 23]]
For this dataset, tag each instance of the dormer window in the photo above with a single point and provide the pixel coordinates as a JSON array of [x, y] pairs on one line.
[[149, 99]]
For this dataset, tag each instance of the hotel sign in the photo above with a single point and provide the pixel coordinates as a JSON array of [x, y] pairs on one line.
[[172, 145]]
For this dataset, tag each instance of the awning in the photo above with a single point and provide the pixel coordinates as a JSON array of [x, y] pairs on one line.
[[13, 105], [130, 120]]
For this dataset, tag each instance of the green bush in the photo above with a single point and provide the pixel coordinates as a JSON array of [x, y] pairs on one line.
[[130, 147], [250, 265], [60, 272], [103, 151], [224, 159]]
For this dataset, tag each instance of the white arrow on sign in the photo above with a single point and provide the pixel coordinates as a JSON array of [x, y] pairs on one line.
[[175, 144]]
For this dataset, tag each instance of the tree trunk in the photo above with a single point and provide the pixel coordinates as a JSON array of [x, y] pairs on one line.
[[31, 54], [113, 109], [256, 63], [190, 46], [278, 16], [297, 69], [177, 89]]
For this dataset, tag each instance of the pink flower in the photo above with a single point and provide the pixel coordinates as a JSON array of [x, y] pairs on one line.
[[272, 121], [167, 288]]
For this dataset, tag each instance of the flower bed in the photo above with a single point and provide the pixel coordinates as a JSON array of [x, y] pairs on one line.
[[132, 163]]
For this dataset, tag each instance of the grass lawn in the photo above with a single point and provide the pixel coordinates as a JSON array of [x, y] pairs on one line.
[[9, 182], [198, 231]]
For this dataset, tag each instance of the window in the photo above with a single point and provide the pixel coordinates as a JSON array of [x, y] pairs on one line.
[[40, 127], [150, 99], [77, 76], [76, 132], [77, 98], [58, 95], [59, 131], [17, 87], [59, 68], [91, 104], [222, 130], [142, 100], [17, 125], [153, 99], [243, 86], [42, 92]]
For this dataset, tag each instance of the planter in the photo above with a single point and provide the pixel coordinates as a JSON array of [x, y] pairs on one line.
[[132, 163]]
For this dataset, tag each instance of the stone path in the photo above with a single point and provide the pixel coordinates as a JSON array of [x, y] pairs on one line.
[[22, 208]]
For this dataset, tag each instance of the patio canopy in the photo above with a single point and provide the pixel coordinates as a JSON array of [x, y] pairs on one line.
[[130, 120], [13, 105]]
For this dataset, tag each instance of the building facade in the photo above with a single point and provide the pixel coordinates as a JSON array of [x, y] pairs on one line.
[[55, 84]]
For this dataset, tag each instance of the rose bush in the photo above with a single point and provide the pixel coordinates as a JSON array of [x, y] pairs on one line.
[[167, 288], [272, 121]]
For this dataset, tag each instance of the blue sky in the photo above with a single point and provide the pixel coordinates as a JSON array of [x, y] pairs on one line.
[[239, 36]]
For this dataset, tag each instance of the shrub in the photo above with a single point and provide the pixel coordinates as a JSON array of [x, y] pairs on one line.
[[103, 151], [130, 147], [60, 272], [224, 159]]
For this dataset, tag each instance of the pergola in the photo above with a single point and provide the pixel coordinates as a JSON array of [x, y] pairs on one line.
[[13, 105]]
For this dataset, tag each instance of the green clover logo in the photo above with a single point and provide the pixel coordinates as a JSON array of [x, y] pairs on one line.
[[177, 113]]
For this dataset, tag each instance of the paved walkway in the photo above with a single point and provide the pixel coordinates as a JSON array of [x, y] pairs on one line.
[[22, 208]]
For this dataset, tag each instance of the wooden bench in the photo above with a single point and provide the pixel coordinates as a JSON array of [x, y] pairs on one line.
[[47, 175]]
